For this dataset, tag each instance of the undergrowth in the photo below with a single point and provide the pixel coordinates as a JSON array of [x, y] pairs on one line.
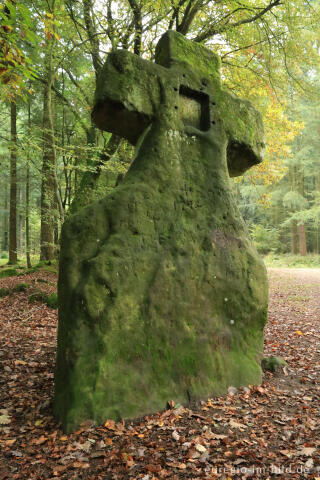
[[293, 261]]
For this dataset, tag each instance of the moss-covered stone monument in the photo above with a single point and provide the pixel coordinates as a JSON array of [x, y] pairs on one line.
[[162, 295]]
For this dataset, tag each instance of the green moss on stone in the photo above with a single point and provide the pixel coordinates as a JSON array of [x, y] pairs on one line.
[[273, 364], [161, 293]]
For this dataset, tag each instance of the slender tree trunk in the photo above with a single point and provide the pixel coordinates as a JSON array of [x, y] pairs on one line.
[[302, 240], [27, 216], [302, 228], [48, 192], [5, 244], [13, 258], [294, 237], [28, 198], [21, 220]]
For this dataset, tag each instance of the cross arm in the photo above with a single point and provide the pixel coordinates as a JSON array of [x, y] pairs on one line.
[[244, 128], [128, 95]]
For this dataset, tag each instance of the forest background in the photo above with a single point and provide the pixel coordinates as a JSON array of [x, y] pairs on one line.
[[54, 161]]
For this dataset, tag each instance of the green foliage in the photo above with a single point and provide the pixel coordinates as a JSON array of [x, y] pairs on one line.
[[4, 292], [38, 296], [8, 272], [21, 287], [266, 239], [50, 300], [294, 201], [17, 33]]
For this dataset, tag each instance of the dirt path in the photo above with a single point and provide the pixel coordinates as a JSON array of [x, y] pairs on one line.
[[302, 275], [266, 432]]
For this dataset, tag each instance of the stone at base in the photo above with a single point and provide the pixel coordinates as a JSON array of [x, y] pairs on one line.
[[273, 364]]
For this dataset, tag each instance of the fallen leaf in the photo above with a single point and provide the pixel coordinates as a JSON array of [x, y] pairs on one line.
[[40, 441], [20, 362], [307, 451], [80, 465], [110, 425], [309, 463], [5, 420], [234, 424], [200, 448], [175, 435], [16, 453], [10, 442]]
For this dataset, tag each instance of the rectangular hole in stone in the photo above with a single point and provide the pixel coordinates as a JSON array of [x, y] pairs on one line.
[[194, 108]]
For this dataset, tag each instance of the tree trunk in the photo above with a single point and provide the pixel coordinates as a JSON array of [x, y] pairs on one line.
[[13, 188], [21, 220], [5, 243], [294, 237], [302, 240], [302, 228], [28, 199], [48, 192]]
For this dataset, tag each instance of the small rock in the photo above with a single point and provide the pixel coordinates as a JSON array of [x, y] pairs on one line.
[[273, 364]]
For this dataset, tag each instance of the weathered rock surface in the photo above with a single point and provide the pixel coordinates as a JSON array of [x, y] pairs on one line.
[[162, 295]]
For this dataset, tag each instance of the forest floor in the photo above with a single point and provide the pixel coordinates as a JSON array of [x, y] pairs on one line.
[[267, 431]]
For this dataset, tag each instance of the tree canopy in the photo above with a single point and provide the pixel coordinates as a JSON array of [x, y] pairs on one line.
[[52, 51]]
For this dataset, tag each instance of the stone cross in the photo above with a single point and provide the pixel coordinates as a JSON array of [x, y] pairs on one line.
[[132, 92], [162, 296]]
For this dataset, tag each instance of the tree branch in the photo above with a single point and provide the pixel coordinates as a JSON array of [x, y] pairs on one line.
[[92, 35], [212, 31], [68, 104], [78, 86], [250, 45], [137, 19]]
